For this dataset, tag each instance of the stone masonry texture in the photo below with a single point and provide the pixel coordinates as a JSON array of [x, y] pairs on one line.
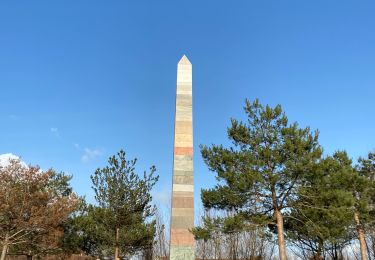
[[182, 244]]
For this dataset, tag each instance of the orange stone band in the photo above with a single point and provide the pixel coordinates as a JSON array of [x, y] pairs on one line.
[[183, 150]]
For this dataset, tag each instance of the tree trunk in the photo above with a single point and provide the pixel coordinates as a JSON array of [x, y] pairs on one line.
[[361, 237], [5, 247], [117, 250], [4, 252], [280, 234], [320, 250]]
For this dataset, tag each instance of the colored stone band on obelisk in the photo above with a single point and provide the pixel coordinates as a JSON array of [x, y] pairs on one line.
[[182, 244]]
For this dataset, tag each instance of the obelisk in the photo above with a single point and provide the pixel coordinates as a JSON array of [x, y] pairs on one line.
[[182, 244]]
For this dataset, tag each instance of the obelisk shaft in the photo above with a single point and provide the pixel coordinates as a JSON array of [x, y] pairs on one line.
[[182, 218]]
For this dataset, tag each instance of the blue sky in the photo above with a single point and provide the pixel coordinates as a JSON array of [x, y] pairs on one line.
[[81, 79]]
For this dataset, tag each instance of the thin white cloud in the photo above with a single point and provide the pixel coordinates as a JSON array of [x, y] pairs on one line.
[[7, 157], [90, 154], [77, 146], [55, 131]]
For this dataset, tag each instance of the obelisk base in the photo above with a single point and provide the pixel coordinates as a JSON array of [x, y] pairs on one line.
[[182, 253]]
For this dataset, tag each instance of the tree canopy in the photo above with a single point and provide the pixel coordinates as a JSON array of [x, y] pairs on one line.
[[123, 217], [259, 174], [34, 204]]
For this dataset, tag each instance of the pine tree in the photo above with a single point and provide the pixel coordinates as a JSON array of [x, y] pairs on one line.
[[258, 175], [123, 215], [364, 193], [335, 198], [320, 220]]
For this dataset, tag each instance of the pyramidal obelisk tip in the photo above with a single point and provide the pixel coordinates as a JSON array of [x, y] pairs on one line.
[[184, 60]]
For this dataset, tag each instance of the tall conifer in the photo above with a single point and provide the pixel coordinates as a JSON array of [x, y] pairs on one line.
[[124, 209], [259, 173]]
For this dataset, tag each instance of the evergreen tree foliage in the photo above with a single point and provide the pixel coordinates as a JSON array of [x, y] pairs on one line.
[[333, 207], [364, 193], [122, 218], [320, 221], [258, 175], [81, 233]]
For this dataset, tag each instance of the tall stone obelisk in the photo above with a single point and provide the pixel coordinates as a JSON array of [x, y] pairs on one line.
[[182, 244]]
